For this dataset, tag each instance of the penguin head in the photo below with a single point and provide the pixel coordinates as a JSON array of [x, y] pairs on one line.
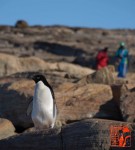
[[42, 78], [38, 78]]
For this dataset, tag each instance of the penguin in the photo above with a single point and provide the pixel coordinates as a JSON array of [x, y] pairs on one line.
[[44, 110]]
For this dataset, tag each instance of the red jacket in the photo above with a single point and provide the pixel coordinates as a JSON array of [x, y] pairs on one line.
[[102, 59]]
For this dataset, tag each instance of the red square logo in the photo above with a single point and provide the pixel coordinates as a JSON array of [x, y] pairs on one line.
[[120, 136]]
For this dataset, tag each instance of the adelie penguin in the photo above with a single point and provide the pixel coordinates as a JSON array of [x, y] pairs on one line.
[[44, 110]]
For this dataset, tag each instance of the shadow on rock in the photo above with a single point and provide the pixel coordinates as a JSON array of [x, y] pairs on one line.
[[13, 106], [109, 110], [58, 49]]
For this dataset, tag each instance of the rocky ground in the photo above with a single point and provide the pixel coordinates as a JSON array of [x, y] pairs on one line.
[[89, 101], [59, 43]]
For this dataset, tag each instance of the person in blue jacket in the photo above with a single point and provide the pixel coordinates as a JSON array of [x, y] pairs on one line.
[[122, 57]]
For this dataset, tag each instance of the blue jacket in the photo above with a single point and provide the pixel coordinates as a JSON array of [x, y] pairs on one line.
[[122, 54]]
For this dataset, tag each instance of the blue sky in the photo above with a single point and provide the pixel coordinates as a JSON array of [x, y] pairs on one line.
[[108, 14]]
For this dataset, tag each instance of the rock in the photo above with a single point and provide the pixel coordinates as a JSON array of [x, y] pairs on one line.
[[92, 134], [119, 91], [10, 64], [123, 96], [34, 140], [103, 76], [5, 28], [60, 43], [55, 78], [15, 98], [21, 24], [87, 134], [6, 128], [75, 70], [77, 101], [127, 104]]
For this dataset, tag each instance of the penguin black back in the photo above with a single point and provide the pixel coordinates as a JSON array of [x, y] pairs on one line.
[[42, 78]]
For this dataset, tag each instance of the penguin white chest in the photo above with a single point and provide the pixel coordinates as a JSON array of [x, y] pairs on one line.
[[42, 112]]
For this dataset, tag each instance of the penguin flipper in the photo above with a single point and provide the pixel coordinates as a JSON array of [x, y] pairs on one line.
[[29, 109]]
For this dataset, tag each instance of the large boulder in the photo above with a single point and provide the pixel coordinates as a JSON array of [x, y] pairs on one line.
[[92, 134], [119, 91], [123, 96], [103, 76], [14, 100], [10, 64], [6, 128], [127, 106], [74, 70], [77, 101]]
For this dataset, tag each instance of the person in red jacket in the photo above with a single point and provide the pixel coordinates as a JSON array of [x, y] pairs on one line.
[[102, 58]]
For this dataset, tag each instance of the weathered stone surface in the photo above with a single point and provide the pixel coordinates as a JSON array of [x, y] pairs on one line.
[[127, 106], [87, 134], [119, 91], [92, 134], [123, 96], [10, 64], [106, 75], [77, 101], [14, 100], [103, 76], [50, 49], [6, 128], [38, 140], [74, 69], [55, 78], [58, 43]]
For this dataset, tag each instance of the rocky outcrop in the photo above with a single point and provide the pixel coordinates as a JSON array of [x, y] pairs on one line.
[[87, 134], [103, 76], [123, 96], [81, 93], [6, 129], [58, 43], [77, 101], [119, 91], [14, 101], [10, 64], [127, 104]]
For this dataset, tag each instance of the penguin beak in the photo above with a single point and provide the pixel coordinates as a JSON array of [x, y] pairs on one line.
[[31, 78]]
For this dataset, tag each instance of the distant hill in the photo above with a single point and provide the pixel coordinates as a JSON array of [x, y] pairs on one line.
[[61, 43]]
